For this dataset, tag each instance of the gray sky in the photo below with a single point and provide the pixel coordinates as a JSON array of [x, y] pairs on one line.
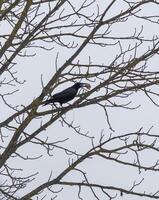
[[90, 119]]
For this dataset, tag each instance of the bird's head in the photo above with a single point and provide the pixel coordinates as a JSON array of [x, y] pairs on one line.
[[81, 85]]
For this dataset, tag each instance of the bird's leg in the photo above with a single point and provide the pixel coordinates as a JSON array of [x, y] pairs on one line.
[[52, 105], [75, 103]]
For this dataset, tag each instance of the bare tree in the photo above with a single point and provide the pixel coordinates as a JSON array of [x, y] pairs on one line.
[[113, 45]]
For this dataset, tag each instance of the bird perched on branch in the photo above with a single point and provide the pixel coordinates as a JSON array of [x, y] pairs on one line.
[[67, 94]]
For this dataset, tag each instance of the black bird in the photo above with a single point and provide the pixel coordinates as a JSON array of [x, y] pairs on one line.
[[67, 94]]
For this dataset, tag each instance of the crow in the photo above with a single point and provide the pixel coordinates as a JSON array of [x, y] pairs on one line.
[[67, 94]]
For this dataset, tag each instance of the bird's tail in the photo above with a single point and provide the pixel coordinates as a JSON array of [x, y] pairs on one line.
[[47, 102]]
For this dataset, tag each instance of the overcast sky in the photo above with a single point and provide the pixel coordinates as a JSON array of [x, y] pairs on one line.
[[90, 119]]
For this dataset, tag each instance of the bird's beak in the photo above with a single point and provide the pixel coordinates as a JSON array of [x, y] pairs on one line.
[[87, 85]]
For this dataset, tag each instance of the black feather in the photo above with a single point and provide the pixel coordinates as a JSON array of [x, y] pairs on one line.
[[65, 95]]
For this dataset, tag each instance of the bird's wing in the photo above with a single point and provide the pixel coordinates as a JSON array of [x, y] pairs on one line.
[[64, 94]]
